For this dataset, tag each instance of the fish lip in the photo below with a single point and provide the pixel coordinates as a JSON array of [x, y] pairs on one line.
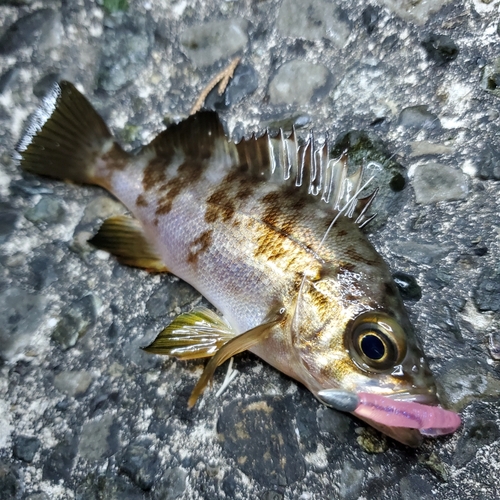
[[425, 398], [421, 397]]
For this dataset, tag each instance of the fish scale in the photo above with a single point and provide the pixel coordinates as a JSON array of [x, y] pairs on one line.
[[269, 231]]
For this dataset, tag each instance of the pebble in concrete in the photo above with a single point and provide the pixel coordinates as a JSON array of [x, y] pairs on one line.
[[418, 117], [125, 52], [96, 439], [9, 481], [489, 163], [440, 48], [414, 487], [418, 12], [477, 435], [8, 221], [19, 318], [434, 182], [491, 77], [207, 43], [257, 433], [59, 461], [25, 447], [313, 20], [76, 320], [296, 82], [245, 81], [28, 30], [407, 286], [48, 210], [73, 383], [140, 463], [351, 482], [463, 380], [487, 293], [171, 485], [420, 253]]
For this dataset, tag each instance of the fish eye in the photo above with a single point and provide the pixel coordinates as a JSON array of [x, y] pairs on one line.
[[376, 342]]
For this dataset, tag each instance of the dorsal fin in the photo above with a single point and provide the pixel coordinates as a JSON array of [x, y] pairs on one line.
[[362, 207], [280, 159], [306, 165], [198, 137]]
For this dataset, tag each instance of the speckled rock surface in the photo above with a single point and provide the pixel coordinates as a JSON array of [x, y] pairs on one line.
[[84, 413]]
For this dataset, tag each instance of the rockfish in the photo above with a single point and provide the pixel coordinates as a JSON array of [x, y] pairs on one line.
[[270, 232]]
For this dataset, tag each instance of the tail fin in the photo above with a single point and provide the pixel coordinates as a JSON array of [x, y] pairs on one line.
[[66, 138]]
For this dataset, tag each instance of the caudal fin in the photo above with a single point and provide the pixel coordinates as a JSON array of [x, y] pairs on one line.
[[67, 139]]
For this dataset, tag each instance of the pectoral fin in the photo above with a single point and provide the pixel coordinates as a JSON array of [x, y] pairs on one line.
[[123, 236], [238, 344], [196, 334]]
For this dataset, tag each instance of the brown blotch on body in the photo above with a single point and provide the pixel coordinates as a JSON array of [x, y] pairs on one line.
[[141, 201], [187, 174], [271, 245], [154, 173], [219, 206], [271, 242], [272, 210], [198, 246], [284, 208], [222, 204], [116, 158], [356, 257], [321, 301]]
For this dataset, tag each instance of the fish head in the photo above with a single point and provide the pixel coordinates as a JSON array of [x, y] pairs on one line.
[[383, 356], [361, 348]]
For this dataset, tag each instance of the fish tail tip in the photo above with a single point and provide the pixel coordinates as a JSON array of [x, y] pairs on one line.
[[37, 121], [65, 137]]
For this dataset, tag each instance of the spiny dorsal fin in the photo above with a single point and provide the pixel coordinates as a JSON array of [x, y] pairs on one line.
[[196, 334], [304, 164], [123, 236], [362, 207]]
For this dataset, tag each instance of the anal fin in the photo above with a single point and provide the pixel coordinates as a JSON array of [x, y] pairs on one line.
[[196, 334], [123, 237]]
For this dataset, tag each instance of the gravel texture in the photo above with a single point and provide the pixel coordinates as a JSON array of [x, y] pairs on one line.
[[84, 413]]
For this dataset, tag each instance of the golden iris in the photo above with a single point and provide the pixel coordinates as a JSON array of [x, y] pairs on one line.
[[376, 342]]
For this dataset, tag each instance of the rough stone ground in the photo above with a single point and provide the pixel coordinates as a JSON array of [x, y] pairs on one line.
[[83, 412]]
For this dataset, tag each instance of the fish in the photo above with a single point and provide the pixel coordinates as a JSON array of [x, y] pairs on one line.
[[270, 231]]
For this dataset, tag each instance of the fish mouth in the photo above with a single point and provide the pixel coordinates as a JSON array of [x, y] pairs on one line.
[[404, 416], [424, 398]]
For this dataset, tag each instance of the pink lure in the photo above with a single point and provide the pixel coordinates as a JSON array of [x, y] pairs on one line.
[[430, 420]]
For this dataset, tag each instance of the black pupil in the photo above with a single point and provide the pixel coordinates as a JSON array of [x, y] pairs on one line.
[[372, 347]]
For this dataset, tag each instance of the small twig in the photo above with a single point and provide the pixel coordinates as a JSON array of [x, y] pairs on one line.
[[222, 78], [230, 376]]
